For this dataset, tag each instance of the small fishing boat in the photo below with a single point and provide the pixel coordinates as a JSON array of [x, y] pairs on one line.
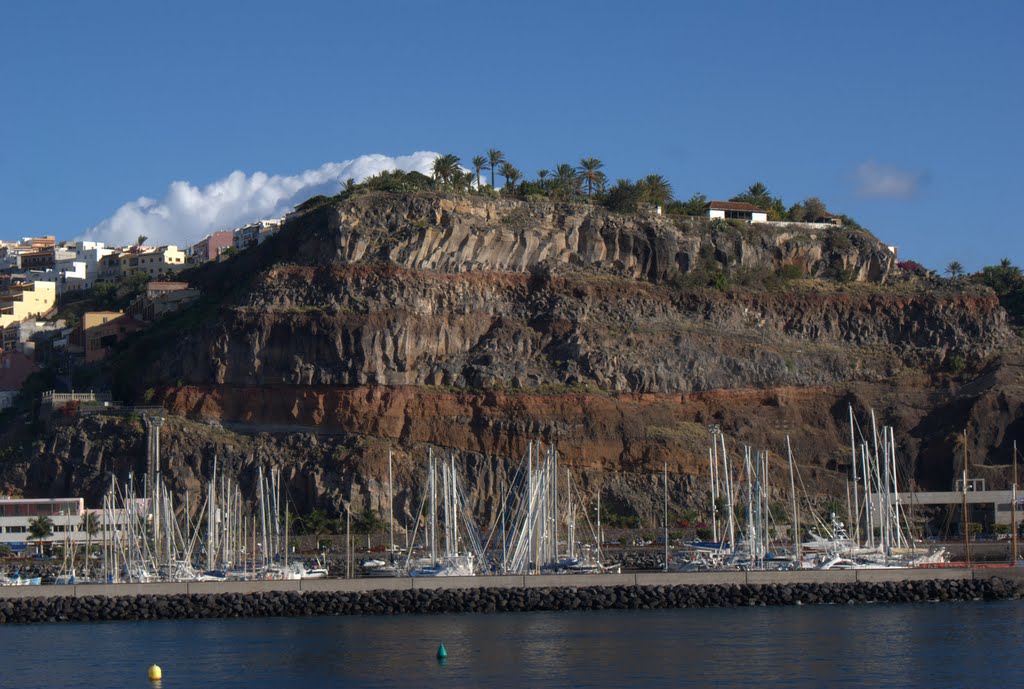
[[18, 580]]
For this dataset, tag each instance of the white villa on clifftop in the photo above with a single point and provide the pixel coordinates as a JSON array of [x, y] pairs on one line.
[[735, 210]]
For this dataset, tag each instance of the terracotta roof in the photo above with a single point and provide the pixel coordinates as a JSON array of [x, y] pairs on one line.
[[735, 206], [170, 286]]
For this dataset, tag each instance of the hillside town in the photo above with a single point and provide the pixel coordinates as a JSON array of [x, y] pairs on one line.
[[39, 276]]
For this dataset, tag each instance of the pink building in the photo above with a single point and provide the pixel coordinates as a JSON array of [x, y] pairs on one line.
[[212, 246]]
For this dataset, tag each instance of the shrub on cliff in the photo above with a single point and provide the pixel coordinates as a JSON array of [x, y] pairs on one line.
[[913, 268], [1007, 282]]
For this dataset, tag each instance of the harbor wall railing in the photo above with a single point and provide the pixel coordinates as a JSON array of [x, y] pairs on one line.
[[757, 578]]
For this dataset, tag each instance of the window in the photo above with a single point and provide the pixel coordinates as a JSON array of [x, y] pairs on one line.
[[17, 529]]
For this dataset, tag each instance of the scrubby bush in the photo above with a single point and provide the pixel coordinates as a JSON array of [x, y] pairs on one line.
[[790, 271], [912, 267]]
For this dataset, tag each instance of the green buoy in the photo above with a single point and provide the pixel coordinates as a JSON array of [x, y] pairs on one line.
[[442, 652]]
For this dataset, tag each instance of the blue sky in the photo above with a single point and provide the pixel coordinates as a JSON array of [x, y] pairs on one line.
[[906, 116]]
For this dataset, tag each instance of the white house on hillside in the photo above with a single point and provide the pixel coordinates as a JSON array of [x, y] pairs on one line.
[[76, 266], [735, 210]]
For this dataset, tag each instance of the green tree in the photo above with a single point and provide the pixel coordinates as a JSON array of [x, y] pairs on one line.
[[624, 197], [810, 210], [494, 159], [141, 240], [315, 524], [91, 527], [542, 175], [350, 185], [954, 269], [446, 169], [567, 182], [40, 529], [815, 209], [479, 163], [656, 190], [590, 172], [511, 175], [369, 522], [777, 210], [695, 206], [756, 194], [1006, 281]]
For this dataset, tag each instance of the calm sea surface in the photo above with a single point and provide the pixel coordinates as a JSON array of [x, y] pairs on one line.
[[926, 645]]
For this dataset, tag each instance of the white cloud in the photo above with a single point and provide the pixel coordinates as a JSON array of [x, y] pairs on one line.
[[884, 181], [187, 213]]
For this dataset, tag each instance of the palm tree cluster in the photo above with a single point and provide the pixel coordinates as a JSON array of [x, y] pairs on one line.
[[586, 182]]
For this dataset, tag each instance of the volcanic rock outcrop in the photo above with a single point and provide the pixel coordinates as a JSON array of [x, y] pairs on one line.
[[475, 325]]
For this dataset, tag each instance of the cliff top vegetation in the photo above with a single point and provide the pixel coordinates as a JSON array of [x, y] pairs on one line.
[[586, 182]]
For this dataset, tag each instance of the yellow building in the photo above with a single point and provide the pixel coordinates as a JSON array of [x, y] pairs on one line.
[[26, 300], [98, 331], [155, 263]]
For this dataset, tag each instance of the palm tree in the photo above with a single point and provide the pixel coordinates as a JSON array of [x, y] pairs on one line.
[[494, 158], [141, 240], [446, 168], [316, 524], [542, 174], [511, 175], [350, 184], [954, 269], [91, 527], [39, 529], [589, 170], [479, 163], [567, 182], [758, 192], [657, 190]]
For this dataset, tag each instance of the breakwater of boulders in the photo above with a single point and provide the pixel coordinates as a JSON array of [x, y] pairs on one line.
[[492, 600]]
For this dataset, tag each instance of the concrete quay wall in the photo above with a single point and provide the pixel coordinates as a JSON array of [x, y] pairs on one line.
[[360, 585]]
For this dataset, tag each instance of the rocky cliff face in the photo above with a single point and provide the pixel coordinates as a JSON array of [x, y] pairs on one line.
[[352, 325], [455, 235], [475, 325]]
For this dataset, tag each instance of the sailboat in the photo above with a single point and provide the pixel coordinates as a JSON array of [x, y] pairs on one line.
[[448, 557], [381, 568]]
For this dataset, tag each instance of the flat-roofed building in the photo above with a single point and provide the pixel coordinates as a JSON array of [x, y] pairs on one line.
[[211, 246], [26, 300], [66, 518], [156, 263]]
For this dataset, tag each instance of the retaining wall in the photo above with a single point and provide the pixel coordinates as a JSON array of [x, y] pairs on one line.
[[85, 602], [516, 581]]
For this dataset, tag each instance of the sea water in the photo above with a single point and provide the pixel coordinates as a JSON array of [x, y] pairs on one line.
[[919, 645]]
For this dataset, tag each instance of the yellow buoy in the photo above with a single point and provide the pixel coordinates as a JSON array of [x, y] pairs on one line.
[[155, 673]]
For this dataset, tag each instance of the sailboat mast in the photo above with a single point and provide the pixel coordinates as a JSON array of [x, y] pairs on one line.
[[1013, 505], [391, 509], [853, 462], [796, 514], [504, 541], [529, 510], [728, 494], [433, 507], [665, 513], [966, 523], [554, 511], [895, 489], [714, 503]]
